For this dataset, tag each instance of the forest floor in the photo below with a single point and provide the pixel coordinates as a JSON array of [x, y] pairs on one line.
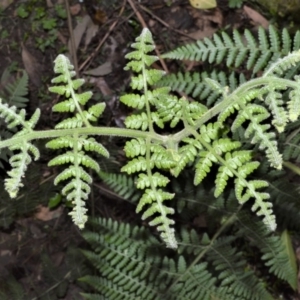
[[33, 32]]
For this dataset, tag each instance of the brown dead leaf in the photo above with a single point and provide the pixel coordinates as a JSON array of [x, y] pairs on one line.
[[46, 214], [102, 70], [5, 3], [79, 31], [201, 34], [49, 3], [256, 17], [204, 23], [91, 31], [32, 66], [101, 84]]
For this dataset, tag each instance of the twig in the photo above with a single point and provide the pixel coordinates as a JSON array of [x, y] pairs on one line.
[[164, 23], [142, 21], [73, 48], [111, 28]]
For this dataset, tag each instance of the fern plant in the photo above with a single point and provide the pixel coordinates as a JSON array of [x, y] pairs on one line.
[[208, 138]]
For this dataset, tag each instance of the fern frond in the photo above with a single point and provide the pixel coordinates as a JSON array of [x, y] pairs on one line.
[[233, 272], [22, 158], [16, 90], [238, 49], [237, 164], [132, 265], [120, 251], [294, 102], [78, 188], [136, 165], [137, 121], [153, 155], [193, 84], [71, 157], [185, 154], [157, 179], [271, 247], [123, 185]]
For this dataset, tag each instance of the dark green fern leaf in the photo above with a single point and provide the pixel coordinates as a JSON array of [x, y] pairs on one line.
[[194, 85], [239, 49], [14, 90], [123, 185], [271, 246]]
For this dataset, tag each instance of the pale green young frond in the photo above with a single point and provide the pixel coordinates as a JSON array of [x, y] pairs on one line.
[[133, 100], [163, 159], [261, 207], [69, 123], [135, 147], [24, 150], [137, 121], [280, 115], [155, 117], [83, 98], [78, 157], [11, 116], [83, 142], [171, 110], [136, 165], [246, 114], [145, 38], [153, 199], [203, 166], [137, 82], [77, 83], [90, 144], [94, 112], [186, 154], [265, 140], [65, 106], [209, 132], [294, 102], [281, 65], [156, 180], [63, 66], [58, 89], [73, 171], [234, 160], [19, 163]]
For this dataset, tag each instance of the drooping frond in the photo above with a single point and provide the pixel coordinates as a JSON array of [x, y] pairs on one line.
[[25, 150]]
